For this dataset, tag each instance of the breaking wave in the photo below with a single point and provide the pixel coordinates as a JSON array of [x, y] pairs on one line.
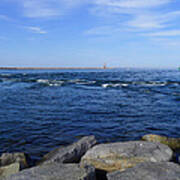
[[25, 78]]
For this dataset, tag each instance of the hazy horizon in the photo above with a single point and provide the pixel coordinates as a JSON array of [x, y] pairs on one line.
[[82, 67], [84, 33]]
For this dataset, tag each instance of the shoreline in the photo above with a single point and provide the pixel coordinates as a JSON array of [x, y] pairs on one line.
[[49, 68]]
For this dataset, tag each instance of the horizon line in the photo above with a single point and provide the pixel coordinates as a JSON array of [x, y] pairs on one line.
[[55, 68], [66, 68]]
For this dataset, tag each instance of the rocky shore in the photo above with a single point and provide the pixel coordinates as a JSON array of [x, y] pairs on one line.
[[153, 157]]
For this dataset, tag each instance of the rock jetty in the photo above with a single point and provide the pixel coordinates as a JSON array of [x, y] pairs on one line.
[[87, 160]]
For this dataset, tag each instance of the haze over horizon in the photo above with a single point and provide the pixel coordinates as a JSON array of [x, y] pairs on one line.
[[89, 33]]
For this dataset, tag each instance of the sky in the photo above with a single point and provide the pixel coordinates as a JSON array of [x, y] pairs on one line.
[[89, 33]]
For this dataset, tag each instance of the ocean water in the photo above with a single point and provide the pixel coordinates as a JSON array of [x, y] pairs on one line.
[[43, 109]]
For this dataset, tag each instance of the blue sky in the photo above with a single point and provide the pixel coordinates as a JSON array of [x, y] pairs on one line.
[[72, 33]]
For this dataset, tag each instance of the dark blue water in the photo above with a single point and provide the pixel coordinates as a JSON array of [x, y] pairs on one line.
[[40, 110]]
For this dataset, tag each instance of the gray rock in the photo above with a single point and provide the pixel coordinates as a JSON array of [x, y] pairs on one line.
[[119, 156], [71, 153], [173, 143], [56, 171], [6, 171], [9, 158], [148, 171]]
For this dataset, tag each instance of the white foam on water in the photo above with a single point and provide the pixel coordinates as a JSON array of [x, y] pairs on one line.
[[55, 84], [87, 82], [151, 83], [114, 85], [81, 81], [6, 75], [50, 82], [124, 85], [75, 80], [43, 81], [156, 84], [105, 85]]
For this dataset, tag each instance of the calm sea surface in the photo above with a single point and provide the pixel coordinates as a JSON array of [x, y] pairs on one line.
[[42, 109]]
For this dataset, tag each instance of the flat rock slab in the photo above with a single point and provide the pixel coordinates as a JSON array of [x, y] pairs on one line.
[[119, 156], [148, 171], [173, 143], [71, 153], [6, 171], [56, 171]]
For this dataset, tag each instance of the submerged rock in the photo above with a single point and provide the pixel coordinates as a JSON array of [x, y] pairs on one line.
[[173, 143], [6, 171], [9, 158], [71, 153], [56, 171], [148, 171], [120, 156]]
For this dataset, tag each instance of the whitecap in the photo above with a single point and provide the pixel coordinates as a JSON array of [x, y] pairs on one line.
[[75, 80], [6, 75], [105, 85], [114, 85], [124, 85], [43, 81], [156, 84], [50, 82], [87, 82], [54, 84], [150, 83]]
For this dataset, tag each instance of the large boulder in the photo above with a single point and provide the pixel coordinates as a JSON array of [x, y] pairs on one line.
[[56, 171], [6, 171], [148, 171], [173, 143], [119, 156], [9, 158], [71, 153]]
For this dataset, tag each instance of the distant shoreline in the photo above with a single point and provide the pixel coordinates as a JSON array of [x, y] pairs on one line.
[[77, 68], [49, 68]]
